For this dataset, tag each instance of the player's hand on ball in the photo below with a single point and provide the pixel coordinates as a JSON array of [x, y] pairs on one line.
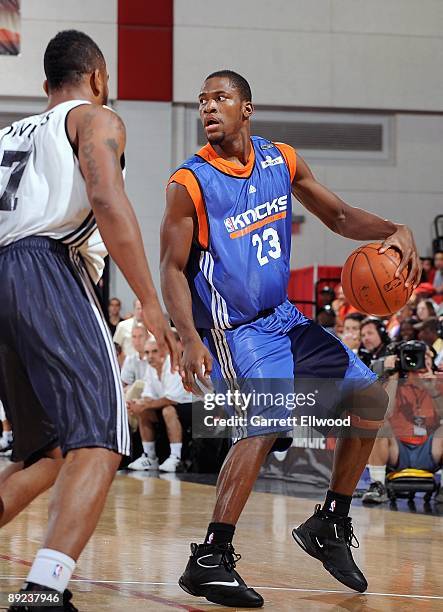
[[196, 363], [158, 326], [403, 240]]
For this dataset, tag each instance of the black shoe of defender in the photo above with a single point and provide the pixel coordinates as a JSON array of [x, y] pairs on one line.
[[329, 539], [65, 604], [210, 573]]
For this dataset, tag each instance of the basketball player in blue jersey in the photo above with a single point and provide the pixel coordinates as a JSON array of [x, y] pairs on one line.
[[225, 248], [61, 178]]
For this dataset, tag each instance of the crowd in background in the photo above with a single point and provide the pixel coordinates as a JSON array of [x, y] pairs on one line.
[[160, 410], [421, 318], [412, 437], [413, 433], [158, 405]]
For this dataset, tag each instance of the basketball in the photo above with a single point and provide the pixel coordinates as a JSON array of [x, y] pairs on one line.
[[369, 282]]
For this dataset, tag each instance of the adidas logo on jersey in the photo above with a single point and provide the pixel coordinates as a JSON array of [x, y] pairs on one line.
[[272, 161], [252, 215], [252, 189]]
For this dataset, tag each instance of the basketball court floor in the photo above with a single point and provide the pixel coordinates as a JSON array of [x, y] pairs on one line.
[[141, 545]]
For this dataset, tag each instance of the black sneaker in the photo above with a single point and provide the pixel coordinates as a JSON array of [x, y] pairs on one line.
[[210, 573], [376, 494], [329, 539], [65, 604]]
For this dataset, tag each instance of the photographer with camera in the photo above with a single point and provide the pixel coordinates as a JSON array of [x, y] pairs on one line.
[[412, 436], [374, 340]]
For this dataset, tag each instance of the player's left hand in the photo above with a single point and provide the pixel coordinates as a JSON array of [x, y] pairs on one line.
[[403, 240], [196, 364]]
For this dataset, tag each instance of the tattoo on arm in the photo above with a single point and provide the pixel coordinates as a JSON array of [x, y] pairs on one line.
[[112, 144], [87, 148]]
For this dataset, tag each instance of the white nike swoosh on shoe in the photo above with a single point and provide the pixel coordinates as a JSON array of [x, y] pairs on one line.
[[318, 543], [230, 584], [206, 566]]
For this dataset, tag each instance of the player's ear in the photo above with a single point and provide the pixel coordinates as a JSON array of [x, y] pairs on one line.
[[96, 82], [248, 109], [45, 87]]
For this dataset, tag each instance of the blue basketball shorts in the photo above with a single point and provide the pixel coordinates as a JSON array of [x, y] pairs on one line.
[[51, 319], [286, 358]]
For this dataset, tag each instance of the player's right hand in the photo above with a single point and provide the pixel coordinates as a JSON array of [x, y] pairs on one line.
[[156, 323], [196, 363]]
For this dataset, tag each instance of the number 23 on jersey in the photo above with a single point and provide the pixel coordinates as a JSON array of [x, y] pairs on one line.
[[268, 245]]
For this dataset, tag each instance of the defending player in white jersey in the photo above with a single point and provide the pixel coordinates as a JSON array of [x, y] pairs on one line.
[[60, 175]]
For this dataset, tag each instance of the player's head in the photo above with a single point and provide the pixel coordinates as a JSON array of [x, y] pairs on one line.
[[73, 60], [225, 105]]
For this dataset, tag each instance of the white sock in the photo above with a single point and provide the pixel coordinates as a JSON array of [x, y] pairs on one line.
[[7, 436], [176, 449], [377, 472], [52, 569], [149, 449]]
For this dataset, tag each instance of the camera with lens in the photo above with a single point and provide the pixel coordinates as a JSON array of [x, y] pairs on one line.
[[410, 358]]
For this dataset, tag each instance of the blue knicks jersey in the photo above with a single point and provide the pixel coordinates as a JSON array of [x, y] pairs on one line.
[[239, 265]]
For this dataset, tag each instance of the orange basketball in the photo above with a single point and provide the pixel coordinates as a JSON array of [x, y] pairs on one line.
[[369, 283]]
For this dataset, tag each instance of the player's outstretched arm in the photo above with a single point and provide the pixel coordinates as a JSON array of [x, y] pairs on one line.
[[176, 235], [100, 136], [352, 222]]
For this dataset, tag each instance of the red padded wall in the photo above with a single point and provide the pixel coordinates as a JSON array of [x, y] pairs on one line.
[[145, 50]]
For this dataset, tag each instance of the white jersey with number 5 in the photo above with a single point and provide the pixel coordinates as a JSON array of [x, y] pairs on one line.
[[42, 190]]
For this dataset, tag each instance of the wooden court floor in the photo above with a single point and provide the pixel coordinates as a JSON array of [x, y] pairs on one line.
[[141, 545]]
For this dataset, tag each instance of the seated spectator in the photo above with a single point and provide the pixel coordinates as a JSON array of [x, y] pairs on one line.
[[425, 309], [406, 331], [341, 304], [429, 332], [163, 392], [428, 270], [114, 318], [326, 318], [412, 437], [351, 330], [393, 325], [374, 338], [123, 332], [326, 296], [438, 277], [135, 365]]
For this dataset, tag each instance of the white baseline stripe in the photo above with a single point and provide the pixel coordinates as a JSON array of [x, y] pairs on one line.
[[263, 588]]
